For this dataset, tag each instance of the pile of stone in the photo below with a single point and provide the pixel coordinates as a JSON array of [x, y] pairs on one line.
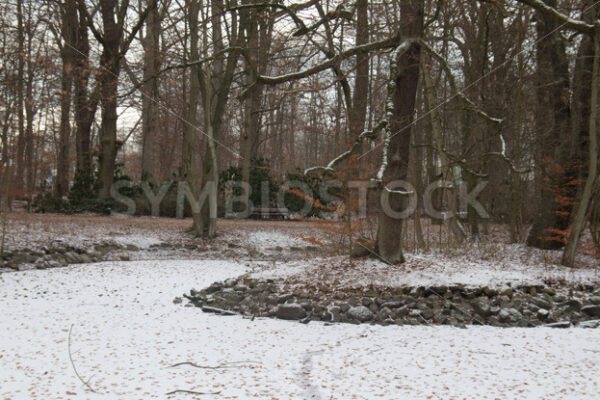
[[519, 306], [60, 255]]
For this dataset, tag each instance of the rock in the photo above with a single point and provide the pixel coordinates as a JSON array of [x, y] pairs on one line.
[[573, 304], [507, 292], [392, 304], [401, 312], [85, 259], [415, 313], [290, 311], [216, 286], [509, 315], [593, 310], [560, 324], [360, 313], [481, 306], [231, 282], [542, 314], [593, 323], [595, 300], [332, 314], [284, 298], [549, 291], [177, 300], [240, 288], [542, 303], [384, 313], [124, 258], [230, 297], [373, 307]]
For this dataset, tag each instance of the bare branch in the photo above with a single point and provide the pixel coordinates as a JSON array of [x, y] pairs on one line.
[[367, 134], [86, 383], [459, 93], [335, 60], [579, 26], [190, 392]]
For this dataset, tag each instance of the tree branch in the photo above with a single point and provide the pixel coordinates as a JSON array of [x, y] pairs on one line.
[[335, 60], [566, 21]]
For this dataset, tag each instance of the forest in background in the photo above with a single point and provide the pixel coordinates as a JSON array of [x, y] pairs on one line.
[[499, 91]]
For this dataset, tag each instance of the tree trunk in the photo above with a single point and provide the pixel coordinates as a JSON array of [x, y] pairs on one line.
[[150, 96], [404, 77], [20, 158], [592, 175], [553, 123], [436, 131], [191, 166], [259, 30], [85, 104], [69, 35], [358, 111]]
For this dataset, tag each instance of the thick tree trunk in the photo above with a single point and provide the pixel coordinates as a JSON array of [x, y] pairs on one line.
[[259, 30], [20, 157], [592, 175], [69, 34], [150, 95], [358, 111], [108, 127], [85, 104], [191, 164], [553, 133], [404, 76]]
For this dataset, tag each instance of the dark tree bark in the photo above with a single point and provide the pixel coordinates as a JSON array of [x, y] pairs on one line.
[[405, 76], [20, 157], [114, 47], [259, 28], [553, 133], [69, 36], [85, 103], [358, 111], [150, 97]]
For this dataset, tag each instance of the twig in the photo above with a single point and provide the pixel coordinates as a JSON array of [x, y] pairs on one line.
[[235, 364], [86, 383], [190, 392]]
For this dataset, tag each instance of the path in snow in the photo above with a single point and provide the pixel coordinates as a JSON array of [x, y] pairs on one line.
[[127, 331]]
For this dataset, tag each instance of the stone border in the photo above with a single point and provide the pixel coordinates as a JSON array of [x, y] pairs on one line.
[[519, 306], [60, 255]]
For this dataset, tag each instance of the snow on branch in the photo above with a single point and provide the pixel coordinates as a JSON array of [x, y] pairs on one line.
[[384, 157], [367, 134], [398, 192], [389, 105], [333, 61], [566, 21]]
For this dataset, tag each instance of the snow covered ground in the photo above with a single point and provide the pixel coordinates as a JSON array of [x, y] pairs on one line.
[[425, 270], [127, 332]]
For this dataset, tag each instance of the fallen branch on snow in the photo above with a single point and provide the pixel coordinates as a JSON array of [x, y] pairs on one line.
[[86, 383], [190, 392], [235, 364]]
